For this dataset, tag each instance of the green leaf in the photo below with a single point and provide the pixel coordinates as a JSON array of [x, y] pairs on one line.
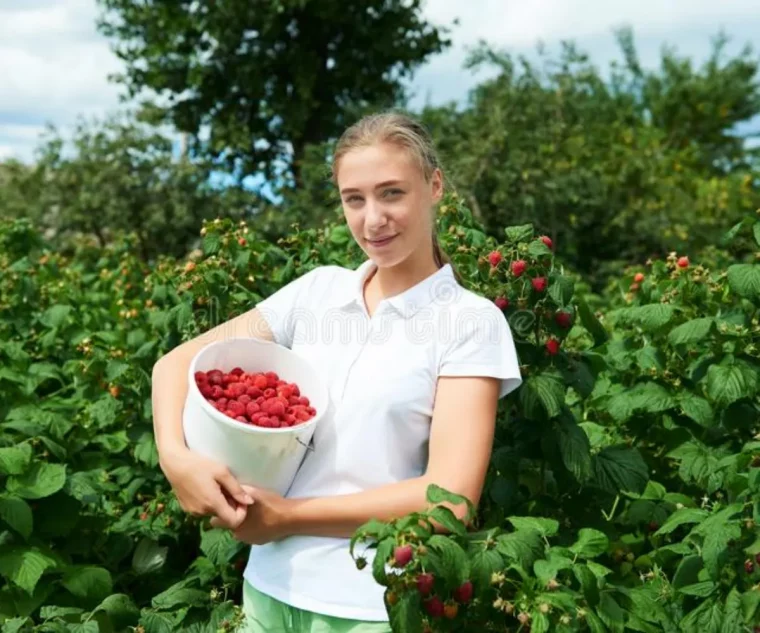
[[384, 550], [545, 527], [436, 494], [406, 615], [456, 564], [154, 622], [88, 582], [691, 332], [484, 563], [589, 583], [520, 233], [17, 514], [697, 408], [24, 566], [115, 369], [105, 411], [180, 595], [699, 589], [590, 543], [756, 232], [574, 448], [446, 518], [120, 609], [211, 243], [611, 613], [750, 601], [715, 545], [522, 547], [730, 381], [652, 397], [591, 323], [617, 469], [706, 618], [56, 315], [733, 619], [561, 288], [546, 570], [649, 317], [682, 517], [15, 459], [744, 280], [542, 396], [42, 480], [219, 545], [149, 556]]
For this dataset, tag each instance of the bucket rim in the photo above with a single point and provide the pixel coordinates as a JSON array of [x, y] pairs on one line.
[[218, 416]]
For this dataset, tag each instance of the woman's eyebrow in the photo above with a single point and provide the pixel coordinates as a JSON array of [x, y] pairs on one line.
[[378, 186]]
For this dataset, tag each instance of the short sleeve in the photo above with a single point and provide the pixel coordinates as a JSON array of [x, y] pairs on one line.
[[481, 344], [283, 308]]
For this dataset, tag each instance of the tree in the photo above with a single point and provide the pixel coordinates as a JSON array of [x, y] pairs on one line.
[[119, 176], [614, 169], [266, 79]]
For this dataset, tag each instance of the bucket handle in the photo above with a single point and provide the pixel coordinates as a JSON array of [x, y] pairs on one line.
[[309, 447]]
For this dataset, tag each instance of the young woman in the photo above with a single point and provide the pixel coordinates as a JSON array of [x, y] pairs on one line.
[[415, 365]]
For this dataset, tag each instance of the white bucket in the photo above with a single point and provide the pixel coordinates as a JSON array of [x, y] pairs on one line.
[[257, 456]]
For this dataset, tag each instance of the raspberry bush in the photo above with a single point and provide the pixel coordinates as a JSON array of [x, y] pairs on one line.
[[623, 488]]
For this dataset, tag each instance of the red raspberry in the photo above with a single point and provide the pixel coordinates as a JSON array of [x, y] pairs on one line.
[[269, 392], [683, 262], [563, 319], [254, 392], [303, 400], [290, 419], [518, 267], [402, 555], [215, 377], [302, 415], [206, 391], [216, 392], [501, 302], [252, 408], [547, 240], [463, 593], [200, 377], [238, 371], [276, 408], [285, 391], [425, 583], [295, 388], [244, 399], [240, 418], [552, 346], [638, 278], [538, 283], [236, 408], [434, 607], [242, 241], [272, 378], [494, 258], [260, 381]]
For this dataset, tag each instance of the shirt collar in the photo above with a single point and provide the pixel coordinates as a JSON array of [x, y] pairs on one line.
[[441, 286]]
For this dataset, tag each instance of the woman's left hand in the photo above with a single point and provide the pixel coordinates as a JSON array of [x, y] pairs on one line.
[[265, 521]]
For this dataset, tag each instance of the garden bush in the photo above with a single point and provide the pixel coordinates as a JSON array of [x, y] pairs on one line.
[[624, 487]]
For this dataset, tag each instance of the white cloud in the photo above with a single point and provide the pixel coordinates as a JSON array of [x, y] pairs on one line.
[[54, 64]]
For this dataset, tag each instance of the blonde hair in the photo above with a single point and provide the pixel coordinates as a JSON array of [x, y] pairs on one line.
[[403, 131]]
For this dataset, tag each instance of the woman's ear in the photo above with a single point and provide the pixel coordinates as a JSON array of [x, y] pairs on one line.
[[437, 185]]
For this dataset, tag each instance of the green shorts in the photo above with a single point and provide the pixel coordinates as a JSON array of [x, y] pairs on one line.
[[264, 614]]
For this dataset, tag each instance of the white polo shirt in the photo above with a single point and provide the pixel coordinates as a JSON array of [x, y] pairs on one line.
[[382, 372]]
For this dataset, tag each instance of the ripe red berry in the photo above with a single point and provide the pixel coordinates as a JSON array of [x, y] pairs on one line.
[[547, 240], [683, 262], [242, 241], [402, 555], [552, 346], [638, 278], [434, 607], [494, 258], [749, 566], [538, 283], [518, 267], [501, 302], [563, 319], [463, 593], [144, 516], [425, 583]]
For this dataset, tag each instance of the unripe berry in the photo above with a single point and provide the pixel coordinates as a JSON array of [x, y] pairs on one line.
[[402, 555]]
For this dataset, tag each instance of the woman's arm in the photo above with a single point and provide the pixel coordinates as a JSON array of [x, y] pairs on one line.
[[461, 439]]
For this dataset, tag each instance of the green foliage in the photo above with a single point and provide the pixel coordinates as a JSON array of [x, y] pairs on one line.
[[623, 487]]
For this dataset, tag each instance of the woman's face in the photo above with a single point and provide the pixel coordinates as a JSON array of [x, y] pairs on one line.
[[384, 195]]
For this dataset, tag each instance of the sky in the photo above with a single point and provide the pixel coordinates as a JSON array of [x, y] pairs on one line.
[[55, 66]]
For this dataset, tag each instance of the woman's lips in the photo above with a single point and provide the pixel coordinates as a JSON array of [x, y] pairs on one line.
[[380, 243]]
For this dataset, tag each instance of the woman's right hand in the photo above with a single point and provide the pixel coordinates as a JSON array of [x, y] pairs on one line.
[[205, 487]]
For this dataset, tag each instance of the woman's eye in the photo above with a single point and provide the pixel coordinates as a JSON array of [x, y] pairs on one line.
[[353, 198], [391, 192]]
